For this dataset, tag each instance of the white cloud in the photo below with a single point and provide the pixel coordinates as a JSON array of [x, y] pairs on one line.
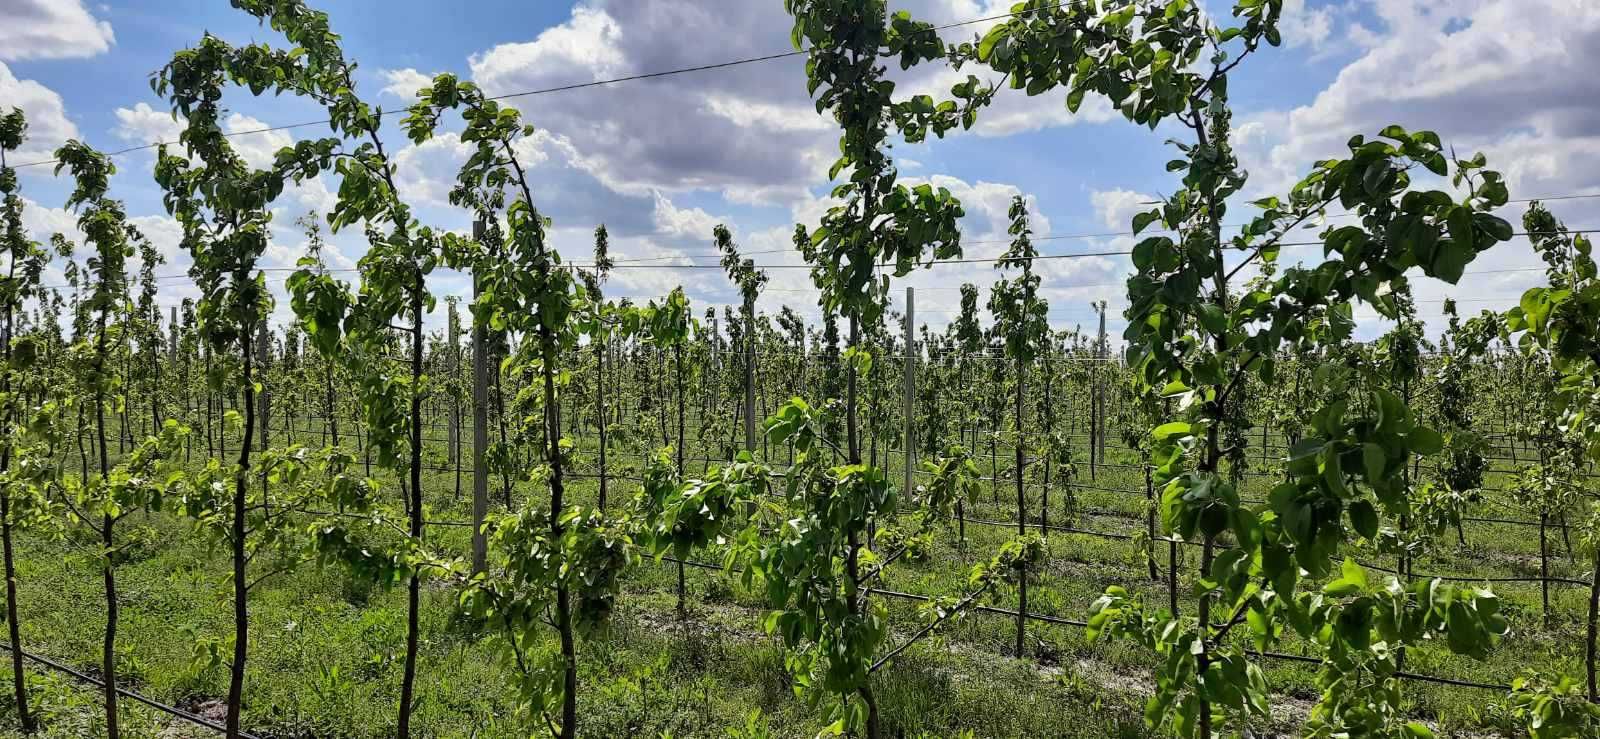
[[166, 236], [743, 130], [1510, 78], [426, 172], [250, 141], [1502, 76], [772, 116], [749, 132], [147, 125], [1116, 208], [683, 222], [43, 222], [587, 44], [51, 29], [404, 83], [48, 125], [309, 196], [1304, 25], [258, 148]]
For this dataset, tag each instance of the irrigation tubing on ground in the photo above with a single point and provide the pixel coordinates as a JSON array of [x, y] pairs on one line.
[[124, 692]]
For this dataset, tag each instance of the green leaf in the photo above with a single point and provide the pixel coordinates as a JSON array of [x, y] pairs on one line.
[[1374, 460], [1353, 572], [1493, 225], [1450, 262], [1074, 99], [1460, 222], [1373, 178], [1364, 518], [1419, 731], [1213, 319], [1425, 441], [1176, 429]]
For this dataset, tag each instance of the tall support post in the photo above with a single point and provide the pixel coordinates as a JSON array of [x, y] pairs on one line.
[[172, 330], [1100, 391], [264, 363], [1592, 627], [910, 413], [1022, 513], [454, 332], [750, 377], [480, 426]]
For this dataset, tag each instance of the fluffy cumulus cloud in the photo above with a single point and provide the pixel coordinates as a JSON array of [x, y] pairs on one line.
[[404, 83], [146, 125], [708, 131], [1069, 283], [1510, 78], [685, 222], [425, 172], [166, 236], [258, 147], [51, 29], [750, 132], [48, 124], [1304, 24], [249, 137], [1116, 208], [1513, 78], [44, 222]]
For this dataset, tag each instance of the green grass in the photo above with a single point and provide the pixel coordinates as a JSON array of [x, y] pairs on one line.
[[326, 650]]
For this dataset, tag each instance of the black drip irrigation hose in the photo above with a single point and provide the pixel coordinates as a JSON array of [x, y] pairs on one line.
[[124, 692]]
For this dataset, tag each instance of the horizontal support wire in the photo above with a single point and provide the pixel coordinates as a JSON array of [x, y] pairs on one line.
[[1064, 621]]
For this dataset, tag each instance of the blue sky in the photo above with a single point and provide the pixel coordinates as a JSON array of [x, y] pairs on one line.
[[660, 162]]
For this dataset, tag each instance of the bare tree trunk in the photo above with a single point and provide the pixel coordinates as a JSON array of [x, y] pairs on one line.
[[678, 361], [18, 681], [241, 594], [600, 411], [414, 584]]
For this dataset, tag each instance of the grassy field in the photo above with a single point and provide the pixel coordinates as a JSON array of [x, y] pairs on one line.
[[326, 649]]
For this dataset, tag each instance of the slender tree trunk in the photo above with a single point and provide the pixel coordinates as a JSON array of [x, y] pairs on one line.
[[1593, 626], [569, 655], [961, 506], [18, 681], [241, 594], [677, 354], [857, 598], [500, 420], [210, 447], [1150, 525], [333, 407], [108, 649], [83, 454], [1544, 565], [108, 653], [1049, 371], [1022, 520], [414, 583], [600, 411], [1202, 658]]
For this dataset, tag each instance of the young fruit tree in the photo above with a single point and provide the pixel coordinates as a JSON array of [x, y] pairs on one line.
[[22, 475], [1194, 337]]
